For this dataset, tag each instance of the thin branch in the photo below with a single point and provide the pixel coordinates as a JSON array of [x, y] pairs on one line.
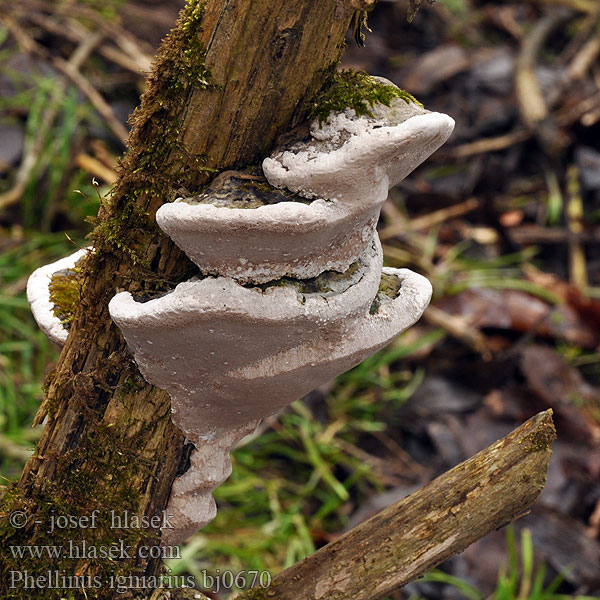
[[35, 147], [71, 69], [564, 118], [429, 220], [134, 61], [459, 328], [94, 96], [410, 537]]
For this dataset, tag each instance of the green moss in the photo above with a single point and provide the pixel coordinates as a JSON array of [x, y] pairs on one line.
[[65, 289], [133, 384], [389, 287], [327, 282], [157, 163], [242, 189], [356, 90], [106, 460], [540, 439]]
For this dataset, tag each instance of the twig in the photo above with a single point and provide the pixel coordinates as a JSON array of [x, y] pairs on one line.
[[586, 6], [34, 148], [460, 329], [406, 256], [412, 536], [429, 220], [94, 96], [95, 167], [485, 145], [532, 234], [579, 111], [594, 522], [71, 68], [563, 119], [585, 28], [574, 214], [70, 9], [74, 32], [532, 103], [591, 118]]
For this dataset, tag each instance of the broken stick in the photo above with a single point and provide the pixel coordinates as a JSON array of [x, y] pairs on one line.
[[412, 536]]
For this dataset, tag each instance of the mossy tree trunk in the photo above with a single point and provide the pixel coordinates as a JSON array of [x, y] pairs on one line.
[[230, 77]]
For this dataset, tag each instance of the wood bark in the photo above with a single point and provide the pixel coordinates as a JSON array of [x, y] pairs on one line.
[[412, 536], [109, 442]]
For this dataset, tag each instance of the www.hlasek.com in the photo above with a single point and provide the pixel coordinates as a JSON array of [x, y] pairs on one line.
[[214, 582], [81, 549], [119, 550]]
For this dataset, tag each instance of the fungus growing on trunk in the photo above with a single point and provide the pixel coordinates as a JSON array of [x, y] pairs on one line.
[[39, 296], [346, 168], [292, 291]]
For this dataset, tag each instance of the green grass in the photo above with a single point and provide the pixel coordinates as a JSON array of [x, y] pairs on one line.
[[25, 353], [518, 579]]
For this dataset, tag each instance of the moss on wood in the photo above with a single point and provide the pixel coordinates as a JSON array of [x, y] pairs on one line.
[[356, 90], [65, 294], [185, 127], [389, 287], [157, 163], [91, 548]]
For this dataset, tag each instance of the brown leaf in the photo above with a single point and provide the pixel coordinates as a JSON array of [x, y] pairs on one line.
[[563, 388], [519, 311]]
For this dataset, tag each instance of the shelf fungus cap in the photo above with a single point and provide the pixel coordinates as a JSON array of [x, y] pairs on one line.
[[355, 160], [337, 179], [200, 341], [229, 355], [265, 383], [38, 296]]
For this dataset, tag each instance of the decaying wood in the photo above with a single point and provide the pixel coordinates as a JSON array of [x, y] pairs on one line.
[[410, 537], [109, 441]]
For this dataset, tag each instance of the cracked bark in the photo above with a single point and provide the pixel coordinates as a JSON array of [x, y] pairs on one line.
[[410, 537]]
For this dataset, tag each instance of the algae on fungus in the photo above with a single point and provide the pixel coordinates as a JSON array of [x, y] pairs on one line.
[[65, 294], [356, 90]]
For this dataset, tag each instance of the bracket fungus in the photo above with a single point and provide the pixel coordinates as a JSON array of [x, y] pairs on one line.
[[39, 298], [345, 168], [291, 293]]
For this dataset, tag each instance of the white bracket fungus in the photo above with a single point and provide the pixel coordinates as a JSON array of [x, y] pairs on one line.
[[38, 296], [293, 292], [346, 169]]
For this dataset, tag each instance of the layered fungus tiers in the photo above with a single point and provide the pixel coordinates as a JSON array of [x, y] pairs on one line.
[[291, 293]]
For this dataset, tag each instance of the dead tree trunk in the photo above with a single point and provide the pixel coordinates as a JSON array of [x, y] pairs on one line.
[[230, 77]]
